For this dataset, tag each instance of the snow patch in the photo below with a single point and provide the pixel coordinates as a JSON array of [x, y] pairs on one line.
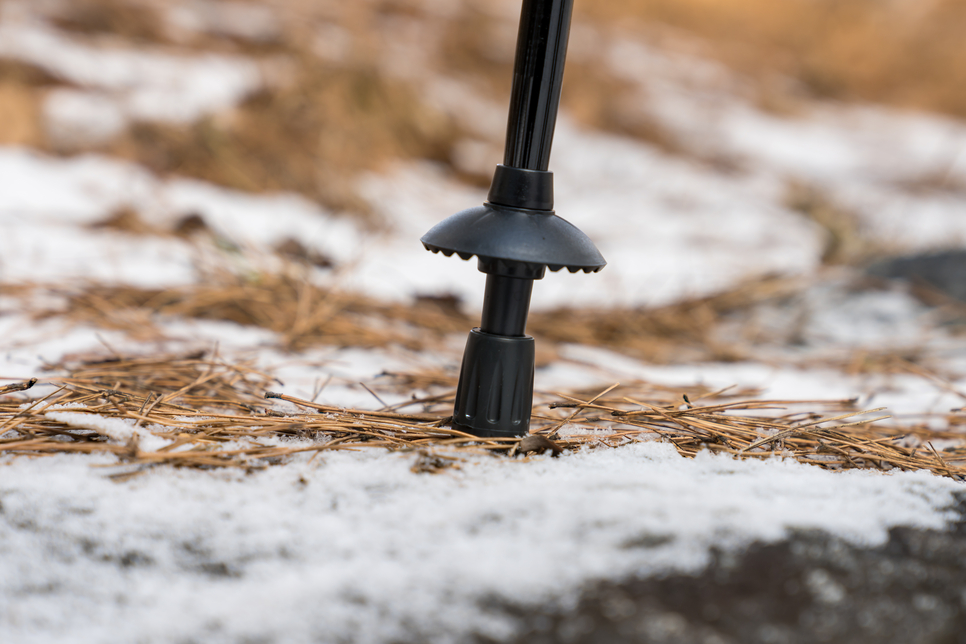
[[356, 546], [137, 84]]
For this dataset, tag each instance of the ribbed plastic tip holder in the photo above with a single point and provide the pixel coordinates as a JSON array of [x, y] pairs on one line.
[[495, 391]]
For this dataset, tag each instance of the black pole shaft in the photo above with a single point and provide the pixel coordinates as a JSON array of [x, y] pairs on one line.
[[537, 78], [506, 305]]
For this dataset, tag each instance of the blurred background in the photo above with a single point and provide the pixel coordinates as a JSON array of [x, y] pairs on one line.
[[342, 85], [716, 149]]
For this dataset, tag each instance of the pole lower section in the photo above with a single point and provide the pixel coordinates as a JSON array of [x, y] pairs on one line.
[[506, 305]]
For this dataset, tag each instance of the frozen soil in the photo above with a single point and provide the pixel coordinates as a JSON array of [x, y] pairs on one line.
[[812, 587]]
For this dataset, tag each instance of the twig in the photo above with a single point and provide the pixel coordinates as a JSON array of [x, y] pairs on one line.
[[19, 386]]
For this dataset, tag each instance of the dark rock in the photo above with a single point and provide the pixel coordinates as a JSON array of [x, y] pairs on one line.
[[813, 587], [190, 224], [295, 250], [944, 272]]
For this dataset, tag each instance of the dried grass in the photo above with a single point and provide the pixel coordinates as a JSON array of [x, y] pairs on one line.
[[305, 314], [312, 130], [20, 95], [846, 241], [729, 326], [216, 415], [302, 313], [312, 136], [910, 54], [132, 21], [591, 95], [679, 332]]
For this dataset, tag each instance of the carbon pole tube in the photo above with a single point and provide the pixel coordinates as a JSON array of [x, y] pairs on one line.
[[537, 77], [506, 305]]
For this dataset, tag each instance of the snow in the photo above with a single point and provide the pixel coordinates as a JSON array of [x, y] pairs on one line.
[[140, 85], [119, 429], [47, 206], [244, 20], [669, 229], [681, 229], [356, 546], [673, 227], [76, 118], [868, 159], [907, 396], [709, 243]]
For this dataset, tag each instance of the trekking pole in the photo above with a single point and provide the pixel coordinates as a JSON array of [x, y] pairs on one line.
[[515, 234]]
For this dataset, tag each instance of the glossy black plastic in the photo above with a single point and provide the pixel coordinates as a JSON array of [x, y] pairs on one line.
[[520, 188], [506, 305], [495, 391], [515, 234], [537, 78]]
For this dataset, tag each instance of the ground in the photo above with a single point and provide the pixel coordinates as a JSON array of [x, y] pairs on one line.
[[753, 416]]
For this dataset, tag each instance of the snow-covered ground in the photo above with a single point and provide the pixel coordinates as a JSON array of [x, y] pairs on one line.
[[356, 547]]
